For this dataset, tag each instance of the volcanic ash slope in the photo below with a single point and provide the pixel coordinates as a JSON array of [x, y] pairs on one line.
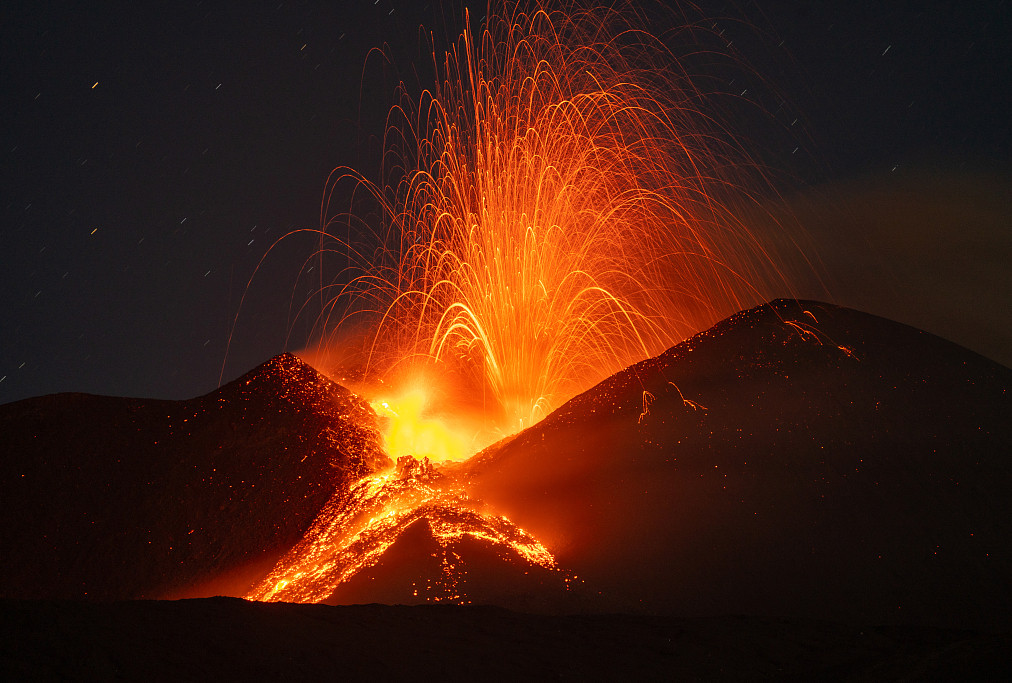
[[798, 459]]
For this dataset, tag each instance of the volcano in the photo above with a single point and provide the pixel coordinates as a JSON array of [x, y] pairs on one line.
[[797, 461]]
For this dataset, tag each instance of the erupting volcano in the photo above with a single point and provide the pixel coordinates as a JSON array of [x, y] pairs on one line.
[[549, 369], [560, 207]]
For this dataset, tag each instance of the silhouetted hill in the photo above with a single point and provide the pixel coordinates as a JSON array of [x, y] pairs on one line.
[[798, 459], [114, 498]]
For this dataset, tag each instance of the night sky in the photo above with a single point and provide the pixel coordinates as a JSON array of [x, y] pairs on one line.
[[151, 155]]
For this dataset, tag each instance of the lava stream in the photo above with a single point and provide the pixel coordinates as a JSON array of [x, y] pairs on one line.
[[356, 527]]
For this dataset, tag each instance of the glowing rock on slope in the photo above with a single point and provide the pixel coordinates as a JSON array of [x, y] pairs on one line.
[[356, 527]]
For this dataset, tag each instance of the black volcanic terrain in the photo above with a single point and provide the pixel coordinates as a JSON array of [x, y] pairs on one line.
[[231, 639], [799, 464], [115, 498], [798, 459]]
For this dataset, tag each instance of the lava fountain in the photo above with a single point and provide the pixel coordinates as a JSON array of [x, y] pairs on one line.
[[558, 206]]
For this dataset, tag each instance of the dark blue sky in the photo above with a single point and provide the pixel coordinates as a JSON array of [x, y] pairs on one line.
[[151, 155]]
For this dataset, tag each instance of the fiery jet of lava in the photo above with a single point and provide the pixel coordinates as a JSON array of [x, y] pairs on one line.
[[561, 209]]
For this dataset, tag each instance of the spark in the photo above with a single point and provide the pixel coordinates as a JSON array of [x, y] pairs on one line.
[[648, 398], [686, 402]]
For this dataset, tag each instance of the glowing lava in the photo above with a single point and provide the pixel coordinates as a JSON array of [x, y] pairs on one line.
[[409, 431], [356, 527]]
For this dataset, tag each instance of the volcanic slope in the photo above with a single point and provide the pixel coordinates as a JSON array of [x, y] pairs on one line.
[[798, 459], [116, 498]]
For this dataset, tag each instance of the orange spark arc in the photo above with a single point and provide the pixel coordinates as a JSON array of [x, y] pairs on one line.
[[560, 208]]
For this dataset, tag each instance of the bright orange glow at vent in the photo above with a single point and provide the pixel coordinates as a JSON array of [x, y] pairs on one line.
[[407, 430]]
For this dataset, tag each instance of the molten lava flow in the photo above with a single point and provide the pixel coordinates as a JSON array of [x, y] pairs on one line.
[[356, 527]]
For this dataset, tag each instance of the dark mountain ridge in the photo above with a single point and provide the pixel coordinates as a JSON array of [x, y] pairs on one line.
[[798, 459], [118, 498]]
